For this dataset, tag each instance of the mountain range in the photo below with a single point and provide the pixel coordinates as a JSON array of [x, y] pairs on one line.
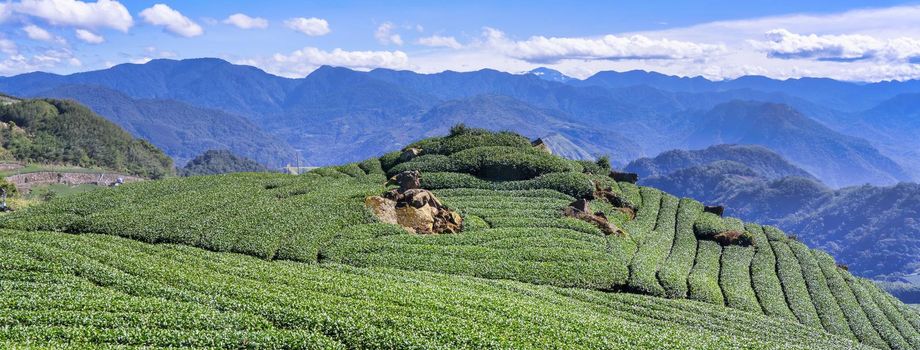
[[337, 114]]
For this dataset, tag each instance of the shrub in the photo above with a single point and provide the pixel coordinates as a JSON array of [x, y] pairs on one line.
[[470, 138], [428, 163], [674, 272], [832, 317], [764, 279], [856, 318], [389, 160], [712, 227], [735, 278], [644, 267], [577, 185], [502, 163], [704, 277], [473, 223], [790, 274]]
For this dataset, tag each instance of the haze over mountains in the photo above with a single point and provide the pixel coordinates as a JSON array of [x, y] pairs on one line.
[[337, 115]]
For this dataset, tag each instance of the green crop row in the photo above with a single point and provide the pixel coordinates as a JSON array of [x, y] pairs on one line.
[[907, 331], [735, 278], [790, 274], [704, 277], [574, 184], [647, 215], [673, 273], [129, 294], [643, 271], [856, 317], [831, 316], [765, 281], [879, 321]]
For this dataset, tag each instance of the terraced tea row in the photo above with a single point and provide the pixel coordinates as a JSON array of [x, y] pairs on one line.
[[97, 291], [513, 230]]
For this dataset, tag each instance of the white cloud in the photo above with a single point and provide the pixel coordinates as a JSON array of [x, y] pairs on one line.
[[8, 47], [46, 60], [540, 49], [102, 13], [89, 36], [172, 20], [301, 62], [440, 41], [35, 32], [784, 44], [243, 21], [310, 26], [5, 11], [385, 35]]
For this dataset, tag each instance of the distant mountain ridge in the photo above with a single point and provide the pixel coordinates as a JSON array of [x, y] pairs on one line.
[[336, 114], [181, 130]]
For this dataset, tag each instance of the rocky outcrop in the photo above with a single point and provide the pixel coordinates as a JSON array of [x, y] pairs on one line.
[[624, 177], [416, 210], [581, 210], [615, 199], [541, 145], [715, 209]]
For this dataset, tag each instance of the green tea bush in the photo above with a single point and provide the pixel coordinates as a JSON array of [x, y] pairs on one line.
[[712, 227], [471, 139], [832, 317], [704, 277], [574, 184], [855, 316], [434, 181], [106, 292], [790, 274], [673, 273], [428, 163], [765, 282], [372, 166], [503, 163], [910, 334], [644, 267], [647, 216], [389, 160], [879, 321], [473, 223], [631, 192], [735, 278]]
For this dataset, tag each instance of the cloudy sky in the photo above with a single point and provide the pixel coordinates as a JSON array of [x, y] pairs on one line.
[[849, 40]]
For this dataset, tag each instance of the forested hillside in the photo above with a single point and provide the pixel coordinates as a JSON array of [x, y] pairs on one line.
[[214, 162], [63, 132]]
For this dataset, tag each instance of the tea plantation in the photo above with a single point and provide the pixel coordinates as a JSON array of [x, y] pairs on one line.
[[283, 261]]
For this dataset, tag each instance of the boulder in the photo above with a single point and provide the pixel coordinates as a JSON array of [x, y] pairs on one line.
[[539, 144], [407, 180], [580, 209], [715, 209], [409, 154], [416, 210], [383, 208], [624, 177]]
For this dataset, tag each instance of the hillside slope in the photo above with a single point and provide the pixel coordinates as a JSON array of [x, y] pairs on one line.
[[511, 197], [64, 132], [837, 159], [761, 160]]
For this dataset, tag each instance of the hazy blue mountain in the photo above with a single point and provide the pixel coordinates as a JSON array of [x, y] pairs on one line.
[[760, 160], [837, 159], [336, 114], [844, 96], [550, 75], [182, 131]]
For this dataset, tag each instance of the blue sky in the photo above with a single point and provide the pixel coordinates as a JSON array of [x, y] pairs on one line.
[[849, 40]]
